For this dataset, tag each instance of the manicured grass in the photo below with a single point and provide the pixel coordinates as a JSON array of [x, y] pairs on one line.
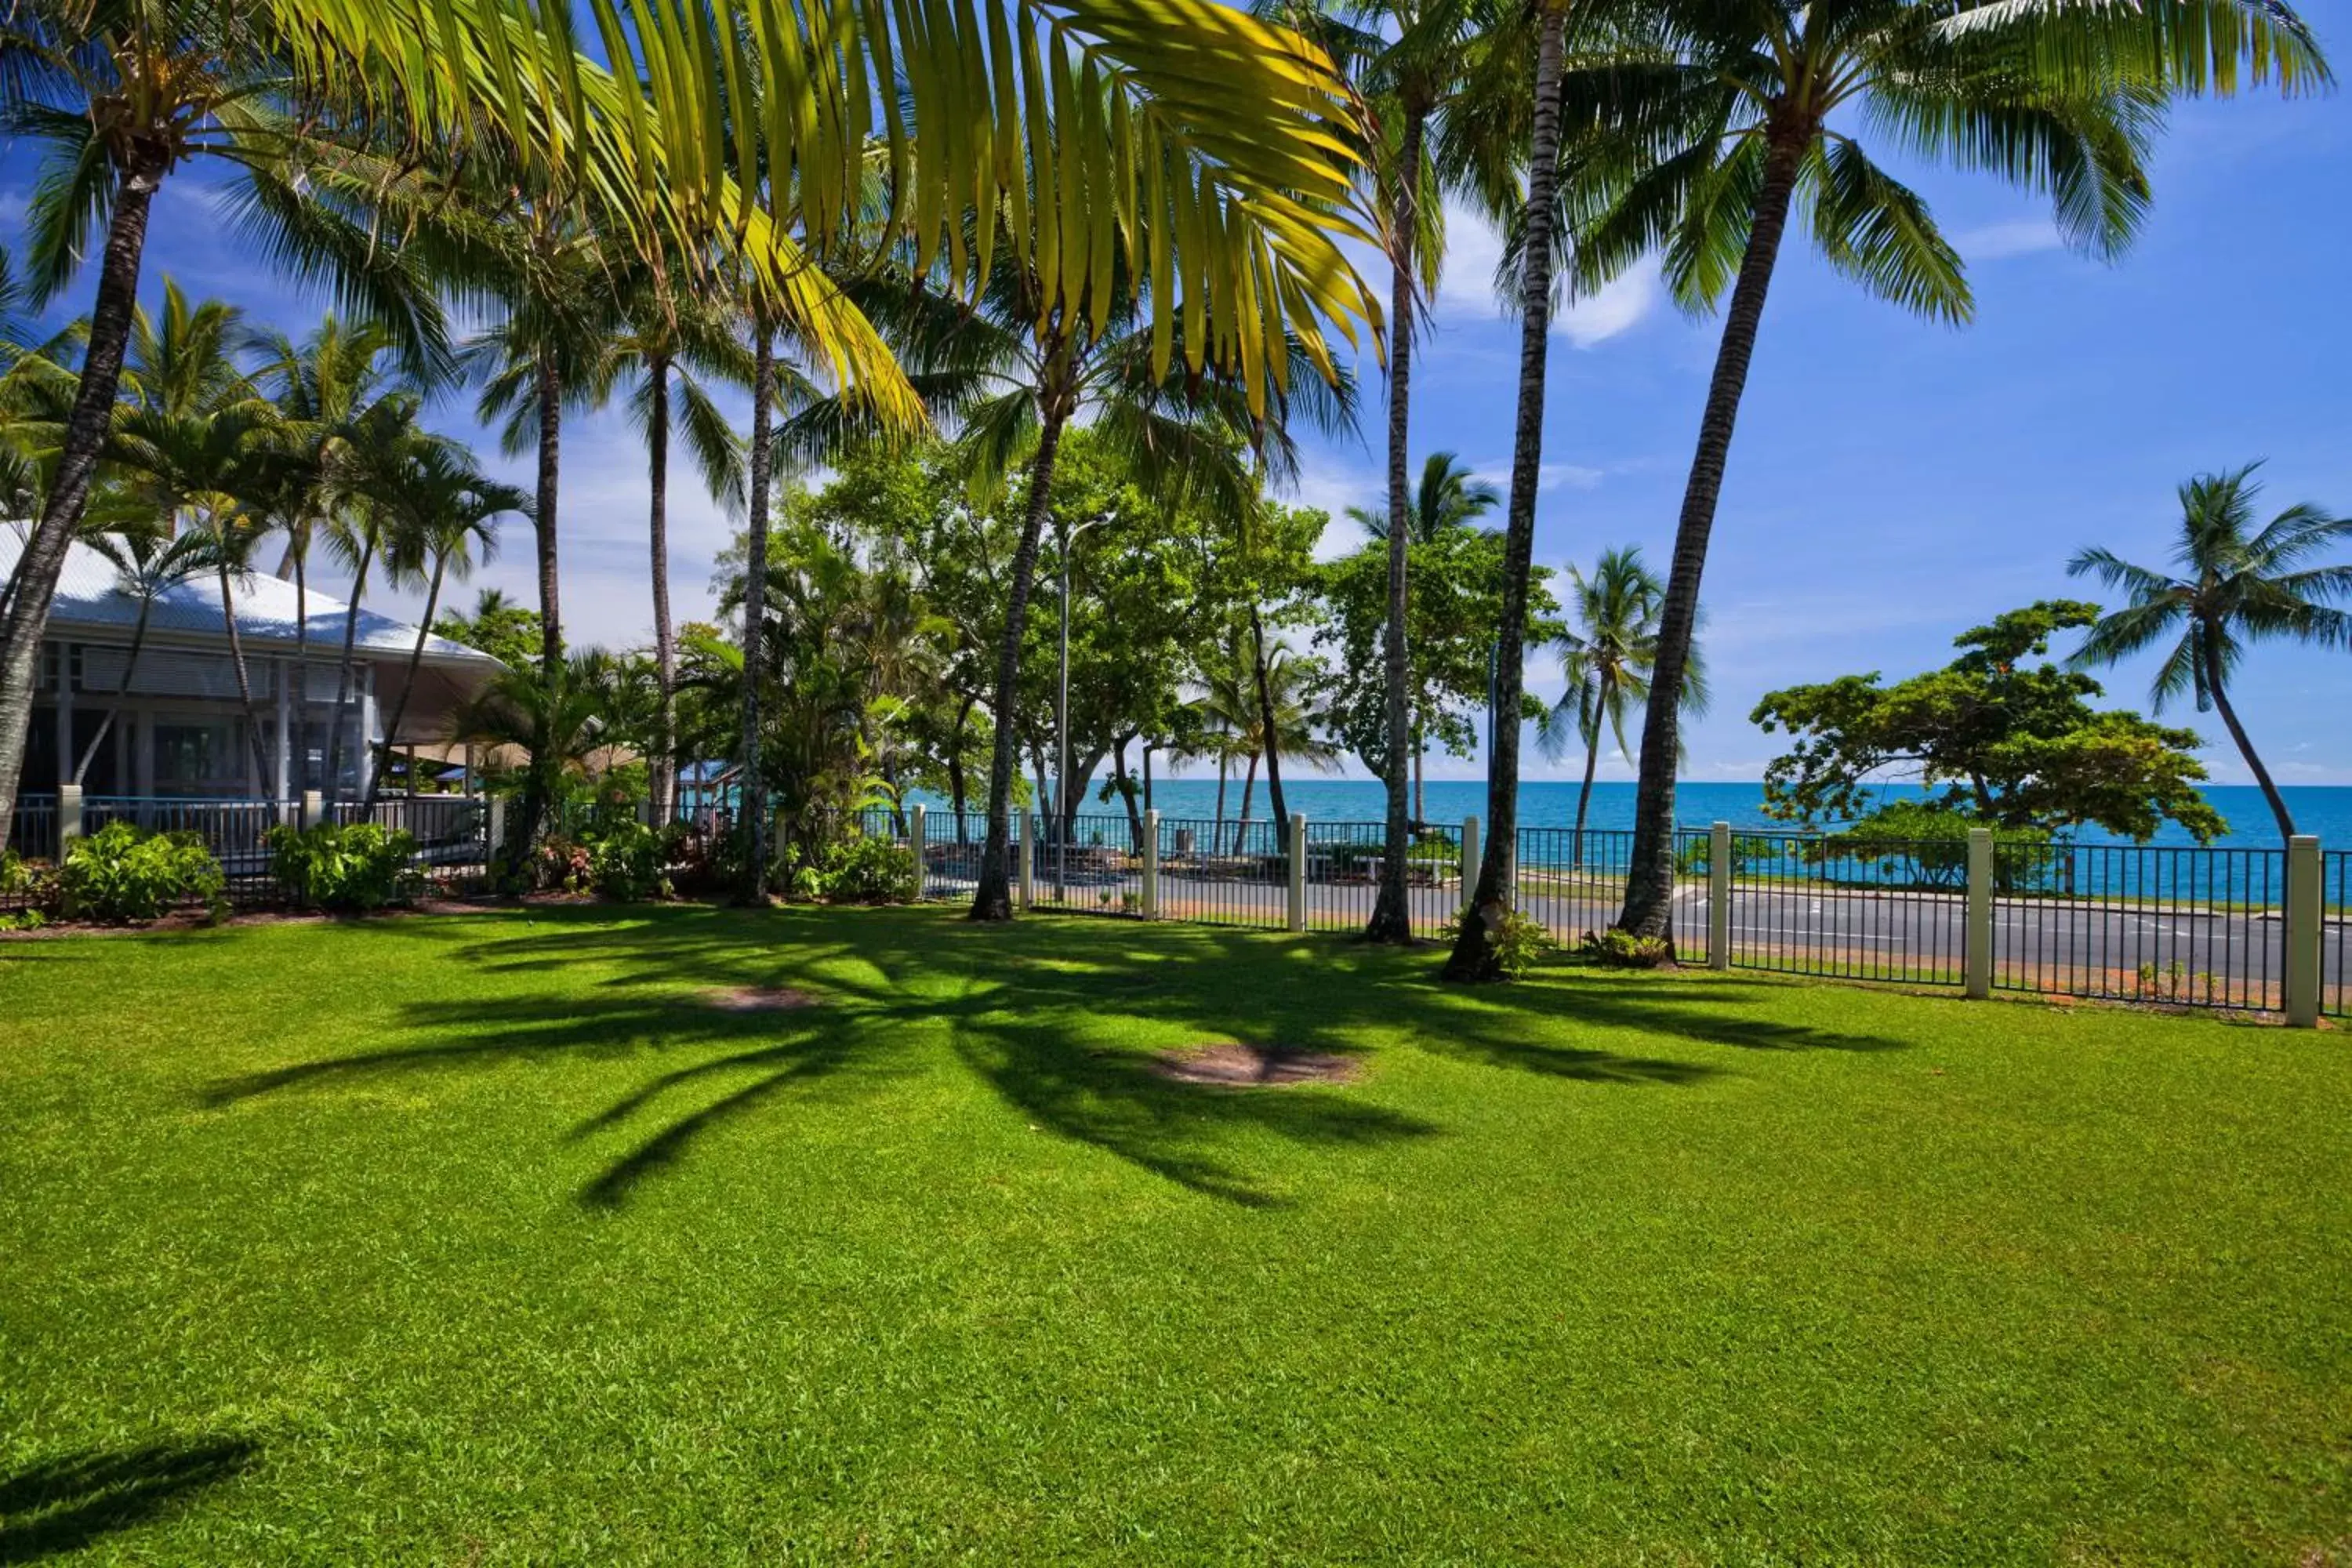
[[485, 1240]]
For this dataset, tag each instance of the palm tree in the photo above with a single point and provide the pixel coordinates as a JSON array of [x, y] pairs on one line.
[[445, 515], [1224, 132], [1449, 496], [326, 389], [1607, 655], [553, 716], [148, 563], [197, 443], [1012, 390], [674, 337], [1473, 957], [1409, 58], [2235, 584], [1738, 130]]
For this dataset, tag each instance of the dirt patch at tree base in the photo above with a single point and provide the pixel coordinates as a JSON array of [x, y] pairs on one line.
[[759, 999], [1232, 1066]]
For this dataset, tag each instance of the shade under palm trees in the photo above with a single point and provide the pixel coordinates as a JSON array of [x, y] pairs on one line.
[[1737, 113], [2231, 583]]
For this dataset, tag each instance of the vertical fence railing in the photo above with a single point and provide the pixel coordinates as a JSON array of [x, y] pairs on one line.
[[1093, 865], [1223, 873], [2193, 927], [951, 850], [2335, 934], [1887, 910], [1570, 882], [235, 831], [33, 831]]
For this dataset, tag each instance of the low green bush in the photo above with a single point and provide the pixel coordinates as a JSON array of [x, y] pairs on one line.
[[345, 870], [31, 885], [629, 863], [1519, 942], [121, 874], [863, 871], [1622, 950]]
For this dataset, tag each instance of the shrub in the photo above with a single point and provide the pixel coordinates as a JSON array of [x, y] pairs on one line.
[[120, 873], [629, 863], [865, 871], [345, 870], [1623, 950], [562, 863], [1519, 942], [33, 884]]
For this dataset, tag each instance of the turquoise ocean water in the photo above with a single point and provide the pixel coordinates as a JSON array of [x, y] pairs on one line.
[[2322, 809]]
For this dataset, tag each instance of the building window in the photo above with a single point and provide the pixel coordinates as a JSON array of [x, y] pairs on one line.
[[199, 756]]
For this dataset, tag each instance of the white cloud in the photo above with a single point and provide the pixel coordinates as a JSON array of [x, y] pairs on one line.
[[1333, 485], [1617, 307], [1999, 241], [1548, 476]]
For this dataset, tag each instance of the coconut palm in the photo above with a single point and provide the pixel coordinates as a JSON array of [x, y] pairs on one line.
[[1410, 58], [1234, 134], [362, 486], [1751, 113], [673, 340], [191, 451], [325, 388], [554, 717], [148, 563], [444, 514], [1607, 654], [1448, 495], [2231, 584], [1010, 391], [1473, 957]]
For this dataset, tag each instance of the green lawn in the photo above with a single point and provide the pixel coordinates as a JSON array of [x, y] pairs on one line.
[[485, 1240]]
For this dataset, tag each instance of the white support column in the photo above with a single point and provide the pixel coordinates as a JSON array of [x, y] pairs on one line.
[[1719, 896], [495, 834], [67, 754], [285, 757], [1028, 852], [1151, 865], [69, 817], [1297, 858], [2306, 922], [916, 838], [1469, 859], [314, 809], [366, 746], [1976, 942]]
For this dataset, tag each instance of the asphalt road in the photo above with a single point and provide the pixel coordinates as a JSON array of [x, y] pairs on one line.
[[2088, 949]]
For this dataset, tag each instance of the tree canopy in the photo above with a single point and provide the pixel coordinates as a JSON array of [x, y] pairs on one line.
[[2003, 734]]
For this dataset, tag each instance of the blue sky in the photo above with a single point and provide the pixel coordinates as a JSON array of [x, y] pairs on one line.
[[1893, 481]]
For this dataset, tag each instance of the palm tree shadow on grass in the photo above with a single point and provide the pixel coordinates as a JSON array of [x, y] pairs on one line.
[[1030, 1011], [62, 1504]]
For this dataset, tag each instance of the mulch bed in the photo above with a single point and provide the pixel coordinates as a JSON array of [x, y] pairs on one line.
[[1229, 1065]]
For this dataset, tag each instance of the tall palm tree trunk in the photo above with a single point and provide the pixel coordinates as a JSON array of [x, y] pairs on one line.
[[665, 638], [408, 679], [1650, 877], [85, 434], [1249, 787], [1473, 956], [1217, 829], [956, 794], [550, 457], [1273, 736], [334, 781], [244, 677], [2211, 658], [122, 691], [1584, 796], [1127, 792], [1392, 912], [994, 898], [753, 790], [298, 706]]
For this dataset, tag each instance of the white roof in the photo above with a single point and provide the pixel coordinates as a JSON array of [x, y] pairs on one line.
[[88, 602]]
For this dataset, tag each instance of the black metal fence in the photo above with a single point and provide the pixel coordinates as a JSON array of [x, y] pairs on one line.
[[1800, 904], [2335, 934], [2194, 927], [33, 831]]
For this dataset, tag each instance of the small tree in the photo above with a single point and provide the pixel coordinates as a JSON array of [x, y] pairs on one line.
[[2002, 734]]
